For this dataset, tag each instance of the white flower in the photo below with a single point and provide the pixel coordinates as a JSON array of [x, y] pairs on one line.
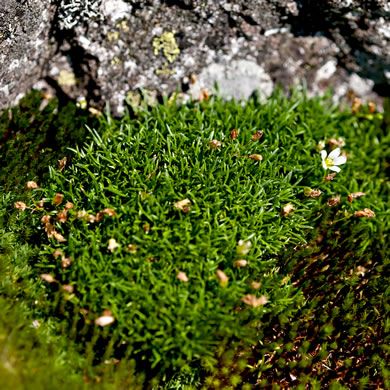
[[334, 159]]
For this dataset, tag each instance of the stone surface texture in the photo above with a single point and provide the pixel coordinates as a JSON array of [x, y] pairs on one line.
[[108, 50]]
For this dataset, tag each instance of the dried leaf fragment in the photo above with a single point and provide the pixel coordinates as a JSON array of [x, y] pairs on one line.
[[67, 288], [32, 185], [104, 320], [256, 285], [182, 276], [371, 107], [253, 301], [240, 263], [215, 144], [204, 95], [109, 212], [62, 163], [66, 262], [20, 205], [355, 195], [257, 135], [233, 134], [256, 157], [183, 205], [356, 104], [112, 244], [365, 213], [222, 277], [62, 216], [57, 253], [287, 209], [69, 205], [48, 278], [329, 177], [334, 201], [58, 199], [59, 237]]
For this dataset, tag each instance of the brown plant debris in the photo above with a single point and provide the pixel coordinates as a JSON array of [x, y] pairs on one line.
[[355, 195], [257, 135], [330, 177], [58, 199], [20, 205], [365, 213], [287, 209], [182, 276], [334, 201], [233, 134], [48, 278], [240, 263], [256, 157], [222, 277], [32, 185], [183, 205], [253, 301], [62, 163]]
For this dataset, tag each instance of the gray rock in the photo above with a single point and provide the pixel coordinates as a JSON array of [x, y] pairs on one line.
[[106, 50]]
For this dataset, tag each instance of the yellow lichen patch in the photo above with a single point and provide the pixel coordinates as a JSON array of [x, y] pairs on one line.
[[168, 45], [165, 70], [133, 98], [115, 61], [113, 36], [123, 26], [66, 78]]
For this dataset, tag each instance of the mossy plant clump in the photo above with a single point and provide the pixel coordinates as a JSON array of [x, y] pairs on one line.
[[206, 239]]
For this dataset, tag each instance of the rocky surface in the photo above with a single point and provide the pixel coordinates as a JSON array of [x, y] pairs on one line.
[[107, 50]]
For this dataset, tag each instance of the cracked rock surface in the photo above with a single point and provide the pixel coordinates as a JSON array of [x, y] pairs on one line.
[[107, 50]]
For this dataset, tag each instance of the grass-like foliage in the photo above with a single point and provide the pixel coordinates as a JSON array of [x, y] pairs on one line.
[[203, 239]]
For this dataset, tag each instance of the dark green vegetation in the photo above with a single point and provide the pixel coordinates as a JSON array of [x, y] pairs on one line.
[[309, 306]]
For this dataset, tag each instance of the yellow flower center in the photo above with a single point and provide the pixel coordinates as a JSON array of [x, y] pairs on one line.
[[329, 162]]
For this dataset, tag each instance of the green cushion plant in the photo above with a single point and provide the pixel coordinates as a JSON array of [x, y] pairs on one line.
[[203, 238]]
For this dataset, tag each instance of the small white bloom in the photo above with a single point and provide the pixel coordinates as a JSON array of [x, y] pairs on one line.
[[332, 160], [82, 102]]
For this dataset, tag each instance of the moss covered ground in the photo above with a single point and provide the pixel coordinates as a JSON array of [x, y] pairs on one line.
[[199, 245]]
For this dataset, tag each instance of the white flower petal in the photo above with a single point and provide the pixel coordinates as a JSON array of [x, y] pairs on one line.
[[324, 165], [334, 168], [323, 154], [334, 153], [340, 160]]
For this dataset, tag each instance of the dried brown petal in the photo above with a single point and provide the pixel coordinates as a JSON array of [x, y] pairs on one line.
[[58, 199], [240, 263], [371, 107], [132, 248], [252, 300], [339, 142], [49, 229], [334, 201], [257, 135], [215, 144], [67, 288], [287, 209], [183, 205], [62, 216], [256, 285], [112, 244], [109, 212], [104, 320], [315, 193], [146, 228], [32, 185], [193, 79], [99, 216], [365, 213], [222, 277], [256, 157], [20, 205], [59, 237], [48, 278], [46, 219], [356, 104], [204, 95], [41, 203], [329, 177], [66, 262], [57, 253], [355, 195], [233, 134], [69, 205], [182, 276], [90, 218], [62, 163]]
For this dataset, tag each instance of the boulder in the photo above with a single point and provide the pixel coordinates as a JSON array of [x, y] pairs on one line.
[[109, 50]]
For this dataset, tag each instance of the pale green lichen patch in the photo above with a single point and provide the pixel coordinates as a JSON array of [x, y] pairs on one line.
[[113, 36], [66, 78], [165, 71], [168, 45]]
